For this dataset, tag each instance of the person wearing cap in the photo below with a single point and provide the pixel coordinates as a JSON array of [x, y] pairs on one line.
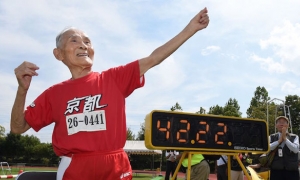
[[286, 145]]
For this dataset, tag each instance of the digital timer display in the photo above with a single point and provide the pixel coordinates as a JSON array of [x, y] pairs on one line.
[[190, 131]]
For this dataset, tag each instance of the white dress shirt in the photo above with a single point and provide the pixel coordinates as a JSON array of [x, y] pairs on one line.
[[172, 154], [221, 162], [293, 146]]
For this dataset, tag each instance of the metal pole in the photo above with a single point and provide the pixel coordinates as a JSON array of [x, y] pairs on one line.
[[290, 118], [284, 109], [275, 118], [267, 112], [275, 110]]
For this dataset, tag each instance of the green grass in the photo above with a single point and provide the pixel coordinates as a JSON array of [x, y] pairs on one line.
[[149, 177], [15, 170], [142, 177], [135, 176]]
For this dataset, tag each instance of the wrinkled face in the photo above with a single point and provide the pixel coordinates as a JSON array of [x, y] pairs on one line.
[[76, 49], [281, 123]]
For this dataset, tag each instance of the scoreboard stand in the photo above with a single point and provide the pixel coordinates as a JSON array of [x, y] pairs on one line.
[[206, 134], [190, 153]]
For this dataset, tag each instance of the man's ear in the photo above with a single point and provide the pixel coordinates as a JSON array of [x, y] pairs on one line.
[[57, 54]]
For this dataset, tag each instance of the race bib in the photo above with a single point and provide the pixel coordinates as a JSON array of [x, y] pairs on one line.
[[87, 121]]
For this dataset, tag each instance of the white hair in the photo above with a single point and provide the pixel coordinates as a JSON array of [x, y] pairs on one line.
[[59, 36]]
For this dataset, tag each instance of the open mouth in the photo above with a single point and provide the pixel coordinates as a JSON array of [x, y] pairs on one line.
[[82, 55]]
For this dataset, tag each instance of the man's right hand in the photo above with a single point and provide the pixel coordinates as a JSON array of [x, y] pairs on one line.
[[283, 133], [24, 74]]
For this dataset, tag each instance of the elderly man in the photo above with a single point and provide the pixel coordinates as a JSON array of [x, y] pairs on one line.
[[89, 108], [285, 163]]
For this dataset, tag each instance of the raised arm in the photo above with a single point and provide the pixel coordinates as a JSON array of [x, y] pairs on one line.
[[24, 74], [200, 21]]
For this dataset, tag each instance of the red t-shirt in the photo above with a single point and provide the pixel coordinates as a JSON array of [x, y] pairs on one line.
[[89, 112]]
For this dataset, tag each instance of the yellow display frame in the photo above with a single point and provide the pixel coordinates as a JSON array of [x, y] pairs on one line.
[[148, 133]]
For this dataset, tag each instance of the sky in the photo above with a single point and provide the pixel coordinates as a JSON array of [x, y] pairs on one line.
[[247, 44]]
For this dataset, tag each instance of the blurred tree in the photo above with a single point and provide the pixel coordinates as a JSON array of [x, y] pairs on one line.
[[176, 107], [54, 159], [216, 110], [293, 103], [261, 108], [12, 146], [232, 108], [40, 151], [141, 133], [28, 143], [2, 131], [2, 141], [258, 104], [130, 135], [201, 111], [46, 161]]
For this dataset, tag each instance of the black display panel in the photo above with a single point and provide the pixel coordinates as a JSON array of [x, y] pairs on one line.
[[188, 131]]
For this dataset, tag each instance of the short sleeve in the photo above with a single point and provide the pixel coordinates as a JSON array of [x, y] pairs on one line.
[[128, 77], [38, 113]]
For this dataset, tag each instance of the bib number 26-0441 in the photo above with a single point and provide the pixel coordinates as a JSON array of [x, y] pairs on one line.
[[88, 121]]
